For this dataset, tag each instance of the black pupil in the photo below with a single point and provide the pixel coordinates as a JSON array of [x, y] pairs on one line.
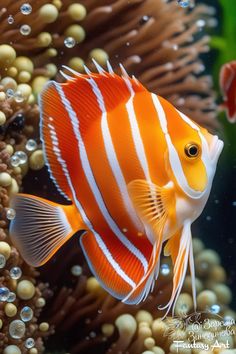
[[193, 150]]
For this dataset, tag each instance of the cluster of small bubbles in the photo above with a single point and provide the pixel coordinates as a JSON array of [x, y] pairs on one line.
[[165, 269], [184, 3], [11, 213], [22, 157], [11, 297], [215, 309], [15, 161], [15, 272], [26, 314], [2, 261], [29, 343], [69, 42], [10, 19], [18, 97], [25, 30], [76, 270], [31, 145], [17, 329], [26, 9], [4, 293], [10, 93]]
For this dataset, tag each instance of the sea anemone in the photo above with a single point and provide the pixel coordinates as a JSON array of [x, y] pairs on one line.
[[157, 41]]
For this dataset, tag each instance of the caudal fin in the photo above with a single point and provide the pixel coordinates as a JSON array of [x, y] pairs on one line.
[[40, 227]]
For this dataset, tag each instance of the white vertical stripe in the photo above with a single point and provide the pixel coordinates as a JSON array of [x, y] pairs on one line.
[[112, 157], [137, 139], [99, 240], [173, 155], [91, 181]]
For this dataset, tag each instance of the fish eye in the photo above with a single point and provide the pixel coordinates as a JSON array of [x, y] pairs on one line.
[[192, 150]]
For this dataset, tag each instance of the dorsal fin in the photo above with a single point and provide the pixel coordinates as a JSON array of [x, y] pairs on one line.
[[92, 93]]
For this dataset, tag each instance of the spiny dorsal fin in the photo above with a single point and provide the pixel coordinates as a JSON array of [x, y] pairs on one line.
[[90, 94]]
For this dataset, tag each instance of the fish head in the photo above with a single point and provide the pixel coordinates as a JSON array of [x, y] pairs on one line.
[[192, 155]]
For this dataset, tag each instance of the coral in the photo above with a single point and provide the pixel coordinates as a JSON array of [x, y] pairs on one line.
[[96, 321], [157, 41], [22, 296]]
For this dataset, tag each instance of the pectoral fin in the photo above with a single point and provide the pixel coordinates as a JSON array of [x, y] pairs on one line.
[[152, 203]]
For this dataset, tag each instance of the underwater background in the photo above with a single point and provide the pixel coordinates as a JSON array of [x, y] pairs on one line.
[[176, 49]]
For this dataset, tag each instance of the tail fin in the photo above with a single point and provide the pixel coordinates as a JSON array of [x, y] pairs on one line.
[[41, 227]]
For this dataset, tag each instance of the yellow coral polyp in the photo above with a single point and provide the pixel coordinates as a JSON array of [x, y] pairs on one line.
[[7, 55], [44, 39], [77, 11], [23, 63], [48, 13], [77, 32]]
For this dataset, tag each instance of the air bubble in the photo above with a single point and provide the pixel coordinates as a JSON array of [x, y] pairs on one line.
[[31, 145], [22, 156], [215, 309], [25, 30], [10, 19], [26, 314], [29, 343], [17, 329], [165, 269], [26, 9], [11, 297], [15, 272], [11, 213], [69, 42], [10, 93], [2, 261], [4, 293], [184, 3], [15, 161], [76, 270]]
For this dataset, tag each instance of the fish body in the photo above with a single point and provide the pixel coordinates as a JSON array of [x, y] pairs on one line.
[[228, 89], [137, 173]]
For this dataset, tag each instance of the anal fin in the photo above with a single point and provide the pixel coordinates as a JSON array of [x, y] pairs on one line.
[[115, 266]]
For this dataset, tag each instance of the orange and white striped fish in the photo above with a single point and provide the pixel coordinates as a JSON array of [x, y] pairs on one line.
[[137, 173]]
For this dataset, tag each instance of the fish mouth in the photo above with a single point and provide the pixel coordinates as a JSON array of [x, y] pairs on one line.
[[216, 148]]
